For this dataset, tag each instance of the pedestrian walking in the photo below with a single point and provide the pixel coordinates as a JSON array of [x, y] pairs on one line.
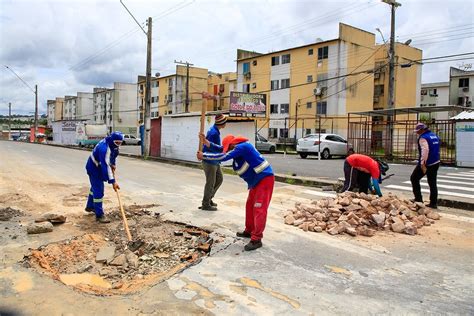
[[428, 164], [212, 168], [254, 169], [100, 167], [363, 172]]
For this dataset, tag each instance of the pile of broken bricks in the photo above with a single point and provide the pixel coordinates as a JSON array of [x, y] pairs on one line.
[[361, 214]]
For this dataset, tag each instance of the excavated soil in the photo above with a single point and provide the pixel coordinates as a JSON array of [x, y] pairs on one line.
[[158, 250], [8, 213]]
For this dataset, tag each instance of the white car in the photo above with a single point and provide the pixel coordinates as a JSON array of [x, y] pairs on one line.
[[330, 144], [131, 140]]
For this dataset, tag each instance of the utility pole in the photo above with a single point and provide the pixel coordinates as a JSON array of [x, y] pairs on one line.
[[9, 120], [35, 91], [146, 118], [36, 112], [147, 91], [391, 70], [186, 107]]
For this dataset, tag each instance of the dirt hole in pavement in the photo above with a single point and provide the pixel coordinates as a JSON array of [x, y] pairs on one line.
[[103, 262]]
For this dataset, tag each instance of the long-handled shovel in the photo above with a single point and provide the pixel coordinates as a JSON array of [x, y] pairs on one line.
[[124, 218]]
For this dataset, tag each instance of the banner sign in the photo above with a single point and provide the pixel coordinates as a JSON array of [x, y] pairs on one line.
[[245, 104]]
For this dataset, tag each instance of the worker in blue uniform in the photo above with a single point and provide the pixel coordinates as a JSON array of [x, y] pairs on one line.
[[100, 168]]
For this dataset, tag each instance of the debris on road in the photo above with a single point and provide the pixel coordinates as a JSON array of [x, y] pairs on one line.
[[53, 218], [361, 214], [8, 213], [103, 262], [39, 228]]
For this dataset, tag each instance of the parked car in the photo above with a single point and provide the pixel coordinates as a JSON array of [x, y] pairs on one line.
[[131, 140], [263, 145], [330, 144]]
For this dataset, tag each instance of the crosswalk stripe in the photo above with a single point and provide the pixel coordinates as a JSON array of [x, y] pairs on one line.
[[461, 175], [318, 193], [449, 181], [466, 172], [400, 187], [453, 177], [445, 186]]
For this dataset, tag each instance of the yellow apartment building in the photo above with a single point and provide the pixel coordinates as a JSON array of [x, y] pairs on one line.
[[313, 87], [168, 93], [220, 85]]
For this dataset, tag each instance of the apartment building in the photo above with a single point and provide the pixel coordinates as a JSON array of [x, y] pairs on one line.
[[461, 87], [117, 107], [311, 88], [55, 110], [221, 85], [79, 107]]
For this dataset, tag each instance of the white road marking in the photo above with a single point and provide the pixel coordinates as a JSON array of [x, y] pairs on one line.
[[449, 181], [452, 177], [400, 187], [445, 186], [461, 175], [319, 193]]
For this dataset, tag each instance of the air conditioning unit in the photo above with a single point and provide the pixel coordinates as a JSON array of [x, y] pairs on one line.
[[376, 99], [377, 75], [247, 75], [318, 91], [465, 89], [119, 120]]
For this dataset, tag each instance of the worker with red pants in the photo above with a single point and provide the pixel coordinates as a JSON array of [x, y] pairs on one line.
[[364, 172], [250, 165]]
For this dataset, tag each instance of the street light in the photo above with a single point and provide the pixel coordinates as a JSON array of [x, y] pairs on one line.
[[35, 91]]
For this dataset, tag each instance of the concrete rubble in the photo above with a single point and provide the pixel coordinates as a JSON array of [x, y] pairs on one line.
[[361, 214], [39, 228]]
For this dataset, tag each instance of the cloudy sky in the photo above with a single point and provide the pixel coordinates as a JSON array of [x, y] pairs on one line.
[[66, 46]]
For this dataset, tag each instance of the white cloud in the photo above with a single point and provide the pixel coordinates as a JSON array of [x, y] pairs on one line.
[[42, 40]]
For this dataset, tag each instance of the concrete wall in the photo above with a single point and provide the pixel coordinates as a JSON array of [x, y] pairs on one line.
[[124, 110], [179, 135]]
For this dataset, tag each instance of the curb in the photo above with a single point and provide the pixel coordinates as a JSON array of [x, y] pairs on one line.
[[309, 182]]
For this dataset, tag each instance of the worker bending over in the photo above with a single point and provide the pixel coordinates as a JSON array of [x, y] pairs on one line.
[[101, 167], [250, 165]]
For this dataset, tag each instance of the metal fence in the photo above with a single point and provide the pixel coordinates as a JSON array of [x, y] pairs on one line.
[[396, 140]]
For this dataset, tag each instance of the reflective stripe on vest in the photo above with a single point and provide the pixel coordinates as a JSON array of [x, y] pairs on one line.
[[242, 169], [98, 200], [261, 167]]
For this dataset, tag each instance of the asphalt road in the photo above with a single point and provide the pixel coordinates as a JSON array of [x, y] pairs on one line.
[[294, 273], [330, 169]]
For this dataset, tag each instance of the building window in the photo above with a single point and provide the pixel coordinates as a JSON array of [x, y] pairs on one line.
[[310, 51], [424, 92], [321, 108], [378, 90], [433, 92], [323, 52], [272, 133], [246, 68], [463, 82], [273, 108], [246, 87], [283, 132], [285, 59], [274, 85], [254, 85], [308, 131], [309, 105], [285, 83], [309, 78], [275, 60], [284, 108]]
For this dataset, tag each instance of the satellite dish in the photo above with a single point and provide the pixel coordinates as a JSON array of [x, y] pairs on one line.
[[408, 42], [157, 74]]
